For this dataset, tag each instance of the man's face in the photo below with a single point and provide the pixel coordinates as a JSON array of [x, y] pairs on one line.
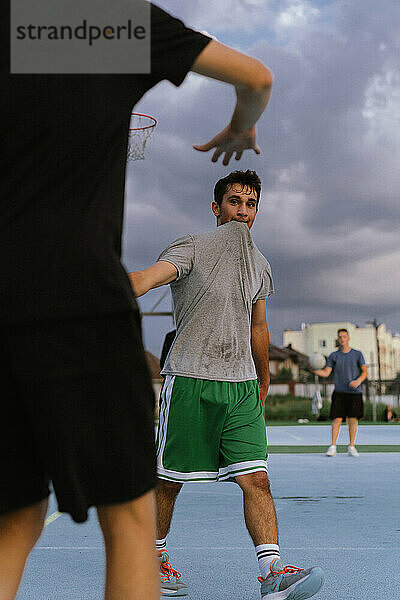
[[238, 204], [343, 339]]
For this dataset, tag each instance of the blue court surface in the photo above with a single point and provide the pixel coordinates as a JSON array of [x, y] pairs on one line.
[[340, 513], [379, 437]]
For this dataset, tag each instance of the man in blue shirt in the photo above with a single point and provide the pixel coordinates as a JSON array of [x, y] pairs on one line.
[[349, 371]]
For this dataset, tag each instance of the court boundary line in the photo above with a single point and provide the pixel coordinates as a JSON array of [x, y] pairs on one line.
[[246, 548], [53, 517], [341, 449]]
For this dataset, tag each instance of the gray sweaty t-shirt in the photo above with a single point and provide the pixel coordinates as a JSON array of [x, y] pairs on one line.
[[220, 276]]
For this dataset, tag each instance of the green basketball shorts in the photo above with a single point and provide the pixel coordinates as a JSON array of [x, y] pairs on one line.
[[210, 430]]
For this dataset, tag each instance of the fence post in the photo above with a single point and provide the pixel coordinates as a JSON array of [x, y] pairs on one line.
[[373, 402]]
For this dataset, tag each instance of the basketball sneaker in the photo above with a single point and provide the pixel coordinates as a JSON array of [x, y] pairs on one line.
[[170, 580], [331, 451], [352, 451], [290, 583]]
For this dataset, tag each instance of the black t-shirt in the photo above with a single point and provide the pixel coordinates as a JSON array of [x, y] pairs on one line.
[[169, 338], [63, 155]]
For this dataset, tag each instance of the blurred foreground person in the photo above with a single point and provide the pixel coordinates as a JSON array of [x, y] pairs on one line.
[[77, 407]]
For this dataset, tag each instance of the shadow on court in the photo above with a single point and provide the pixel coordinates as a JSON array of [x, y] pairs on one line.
[[340, 513]]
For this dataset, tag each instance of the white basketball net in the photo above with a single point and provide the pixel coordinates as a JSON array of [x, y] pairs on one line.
[[141, 129]]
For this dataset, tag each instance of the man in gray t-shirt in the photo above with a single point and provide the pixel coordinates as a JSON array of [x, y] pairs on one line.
[[220, 265], [216, 378]]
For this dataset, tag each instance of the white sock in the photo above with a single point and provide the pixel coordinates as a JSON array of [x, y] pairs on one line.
[[266, 553], [161, 544]]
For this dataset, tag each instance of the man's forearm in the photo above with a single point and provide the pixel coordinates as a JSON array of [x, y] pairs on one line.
[[322, 372], [250, 104], [259, 349], [362, 377], [161, 273], [138, 282]]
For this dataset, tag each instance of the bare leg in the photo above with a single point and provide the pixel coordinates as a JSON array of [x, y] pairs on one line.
[[19, 532], [166, 494], [352, 423], [336, 423], [259, 509], [129, 535]]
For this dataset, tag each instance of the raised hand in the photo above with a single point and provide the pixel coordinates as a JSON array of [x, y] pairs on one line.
[[229, 142]]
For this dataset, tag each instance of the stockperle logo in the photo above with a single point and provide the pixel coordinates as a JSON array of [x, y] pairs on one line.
[[80, 36]]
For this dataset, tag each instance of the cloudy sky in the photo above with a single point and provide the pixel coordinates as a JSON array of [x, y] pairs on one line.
[[329, 219]]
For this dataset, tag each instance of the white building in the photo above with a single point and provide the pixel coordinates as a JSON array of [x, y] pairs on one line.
[[321, 337]]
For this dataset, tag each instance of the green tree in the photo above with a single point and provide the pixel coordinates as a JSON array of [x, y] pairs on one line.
[[283, 374]]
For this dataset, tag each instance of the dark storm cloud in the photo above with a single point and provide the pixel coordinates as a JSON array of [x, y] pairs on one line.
[[329, 218]]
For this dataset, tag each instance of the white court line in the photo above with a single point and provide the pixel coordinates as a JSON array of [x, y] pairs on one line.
[[246, 548], [282, 548], [295, 437], [290, 435], [69, 548], [52, 518]]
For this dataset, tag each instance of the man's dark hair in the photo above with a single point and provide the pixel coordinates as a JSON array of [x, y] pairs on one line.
[[245, 178], [343, 329]]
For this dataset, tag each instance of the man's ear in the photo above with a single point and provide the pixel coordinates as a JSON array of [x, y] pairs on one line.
[[216, 209]]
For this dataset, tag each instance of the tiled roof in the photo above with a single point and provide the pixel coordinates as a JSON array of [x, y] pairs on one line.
[[276, 353], [298, 357]]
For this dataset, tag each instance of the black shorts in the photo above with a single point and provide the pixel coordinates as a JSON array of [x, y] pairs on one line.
[[77, 410], [346, 404]]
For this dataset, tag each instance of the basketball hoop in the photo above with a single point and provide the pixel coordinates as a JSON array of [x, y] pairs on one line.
[[142, 127]]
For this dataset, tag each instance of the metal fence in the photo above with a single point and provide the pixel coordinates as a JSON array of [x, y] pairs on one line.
[[377, 394], [380, 393]]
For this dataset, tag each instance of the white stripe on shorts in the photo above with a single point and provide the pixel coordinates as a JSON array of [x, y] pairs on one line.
[[165, 402], [191, 477], [242, 468]]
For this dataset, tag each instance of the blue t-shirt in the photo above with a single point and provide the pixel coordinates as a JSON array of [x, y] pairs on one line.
[[346, 367]]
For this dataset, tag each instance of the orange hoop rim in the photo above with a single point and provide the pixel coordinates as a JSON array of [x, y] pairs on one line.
[[153, 124]]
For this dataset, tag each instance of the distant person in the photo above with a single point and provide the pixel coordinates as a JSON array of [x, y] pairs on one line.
[[216, 380], [349, 371], [77, 400], [389, 415]]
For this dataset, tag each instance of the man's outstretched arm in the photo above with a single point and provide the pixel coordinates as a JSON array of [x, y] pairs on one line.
[[161, 273], [260, 345], [322, 372], [252, 81]]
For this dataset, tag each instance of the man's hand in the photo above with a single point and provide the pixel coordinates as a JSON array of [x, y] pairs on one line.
[[229, 142], [252, 81], [263, 392], [354, 384]]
